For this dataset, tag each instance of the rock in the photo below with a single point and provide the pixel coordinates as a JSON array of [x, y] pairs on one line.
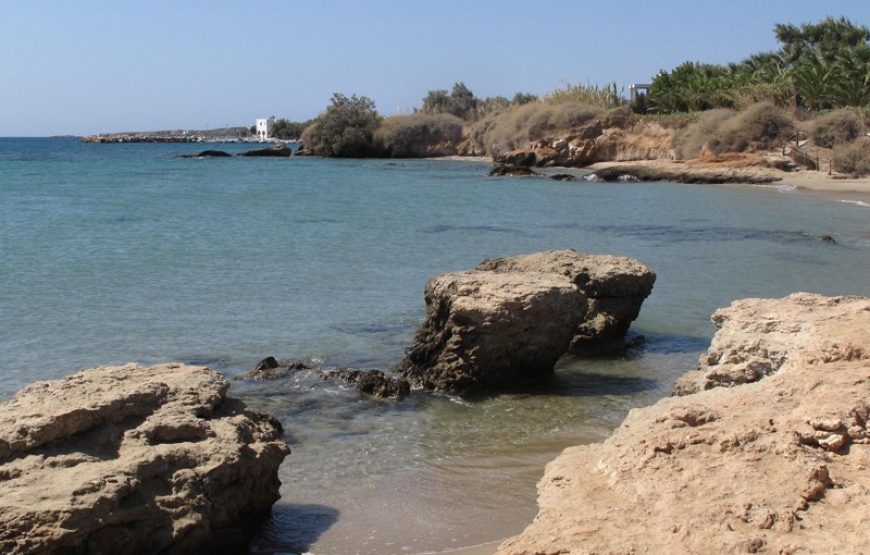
[[281, 151], [614, 286], [792, 331], [371, 382], [775, 465], [134, 460], [207, 154], [828, 239], [271, 369], [488, 330], [563, 177], [509, 170], [684, 174]]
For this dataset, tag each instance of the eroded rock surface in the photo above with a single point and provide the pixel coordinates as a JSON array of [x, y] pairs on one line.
[[134, 460], [614, 286], [492, 330], [770, 455]]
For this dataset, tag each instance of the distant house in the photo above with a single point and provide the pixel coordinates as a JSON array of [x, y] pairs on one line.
[[264, 128]]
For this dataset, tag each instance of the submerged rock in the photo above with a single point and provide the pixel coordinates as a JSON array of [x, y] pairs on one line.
[[769, 454], [134, 460], [371, 382]]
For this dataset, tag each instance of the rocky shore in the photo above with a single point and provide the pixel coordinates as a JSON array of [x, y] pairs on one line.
[[134, 460], [764, 448]]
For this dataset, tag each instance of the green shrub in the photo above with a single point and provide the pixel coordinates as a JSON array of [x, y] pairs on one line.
[[499, 133], [840, 126], [412, 135], [853, 158], [345, 129]]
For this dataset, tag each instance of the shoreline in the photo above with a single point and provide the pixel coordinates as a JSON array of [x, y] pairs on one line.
[[805, 182]]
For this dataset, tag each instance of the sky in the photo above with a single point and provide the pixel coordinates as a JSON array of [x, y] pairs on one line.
[[104, 66]]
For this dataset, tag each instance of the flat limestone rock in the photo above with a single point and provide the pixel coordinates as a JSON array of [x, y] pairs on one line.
[[134, 460], [614, 286], [773, 464], [487, 330]]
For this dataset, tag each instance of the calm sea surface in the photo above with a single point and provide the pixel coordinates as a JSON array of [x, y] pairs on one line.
[[116, 253]]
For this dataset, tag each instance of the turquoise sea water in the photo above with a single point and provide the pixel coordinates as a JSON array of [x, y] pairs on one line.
[[115, 253]]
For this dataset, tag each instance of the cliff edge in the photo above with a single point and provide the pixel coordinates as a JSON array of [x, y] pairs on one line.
[[764, 450]]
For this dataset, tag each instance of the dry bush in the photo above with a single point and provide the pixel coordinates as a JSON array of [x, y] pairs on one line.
[[853, 158], [499, 133], [413, 135], [761, 126], [689, 140], [621, 117], [839, 126]]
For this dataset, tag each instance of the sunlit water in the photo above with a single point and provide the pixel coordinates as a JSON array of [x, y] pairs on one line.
[[113, 253]]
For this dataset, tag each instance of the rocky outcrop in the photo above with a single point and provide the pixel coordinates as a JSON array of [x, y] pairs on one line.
[[207, 154], [685, 173], [594, 142], [507, 322], [279, 151], [487, 330], [770, 455], [134, 460], [614, 287]]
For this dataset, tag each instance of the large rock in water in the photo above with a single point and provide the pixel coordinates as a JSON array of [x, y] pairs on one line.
[[134, 460], [770, 455], [508, 322], [615, 287], [485, 330]]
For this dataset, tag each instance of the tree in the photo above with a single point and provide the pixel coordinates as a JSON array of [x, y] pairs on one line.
[[344, 129], [828, 37], [462, 101], [285, 129], [521, 98], [436, 102]]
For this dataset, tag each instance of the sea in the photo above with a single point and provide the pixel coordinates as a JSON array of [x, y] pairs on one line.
[[124, 252]]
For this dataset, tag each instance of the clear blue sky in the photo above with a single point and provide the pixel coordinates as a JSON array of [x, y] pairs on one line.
[[98, 66]]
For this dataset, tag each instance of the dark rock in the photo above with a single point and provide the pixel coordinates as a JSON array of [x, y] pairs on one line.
[[271, 369], [828, 239], [371, 382], [509, 170], [207, 154], [563, 177], [280, 151]]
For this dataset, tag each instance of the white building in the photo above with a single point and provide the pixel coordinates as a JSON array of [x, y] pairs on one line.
[[264, 128]]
